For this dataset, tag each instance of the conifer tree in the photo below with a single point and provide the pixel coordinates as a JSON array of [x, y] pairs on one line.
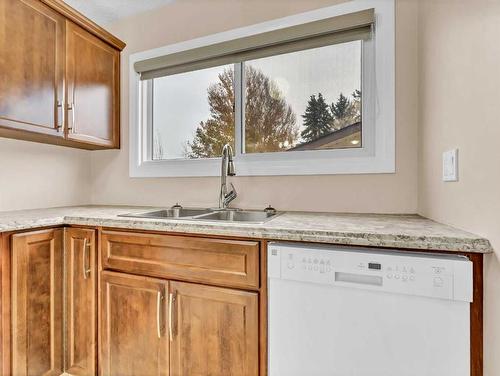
[[317, 118]]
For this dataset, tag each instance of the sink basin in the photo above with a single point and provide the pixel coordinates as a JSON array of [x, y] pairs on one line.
[[238, 216], [170, 213], [204, 214]]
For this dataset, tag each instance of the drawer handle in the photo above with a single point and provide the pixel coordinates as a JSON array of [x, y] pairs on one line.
[[171, 303], [85, 256]]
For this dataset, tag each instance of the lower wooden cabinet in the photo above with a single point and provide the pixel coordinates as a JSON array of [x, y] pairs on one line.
[[64, 319], [37, 309], [195, 330], [133, 340], [214, 331], [80, 301]]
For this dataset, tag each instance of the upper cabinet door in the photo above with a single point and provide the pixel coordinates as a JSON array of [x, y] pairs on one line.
[[93, 84], [37, 295], [31, 67], [214, 331], [80, 301]]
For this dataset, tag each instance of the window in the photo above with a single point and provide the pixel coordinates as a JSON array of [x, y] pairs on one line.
[[306, 100], [290, 100], [188, 120]]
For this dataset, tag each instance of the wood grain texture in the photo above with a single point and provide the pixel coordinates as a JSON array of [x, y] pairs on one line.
[[78, 18], [41, 47], [80, 300], [37, 295], [5, 305], [223, 262], [31, 67], [130, 312], [215, 331], [93, 84], [263, 312]]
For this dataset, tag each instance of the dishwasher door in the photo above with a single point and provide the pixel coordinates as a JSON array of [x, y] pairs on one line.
[[337, 312]]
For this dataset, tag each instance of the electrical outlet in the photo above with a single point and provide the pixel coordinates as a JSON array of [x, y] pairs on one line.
[[450, 165]]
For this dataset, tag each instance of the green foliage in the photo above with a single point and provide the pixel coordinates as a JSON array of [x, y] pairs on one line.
[[317, 118], [270, 123], [344, 111]]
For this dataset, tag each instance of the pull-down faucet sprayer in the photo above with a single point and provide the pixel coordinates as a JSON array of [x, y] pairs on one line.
[[227, 169]]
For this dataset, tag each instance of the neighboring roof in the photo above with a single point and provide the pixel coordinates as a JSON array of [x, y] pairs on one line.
[[329, 137]]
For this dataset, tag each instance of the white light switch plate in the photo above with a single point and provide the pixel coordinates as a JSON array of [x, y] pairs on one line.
[[450, 165]]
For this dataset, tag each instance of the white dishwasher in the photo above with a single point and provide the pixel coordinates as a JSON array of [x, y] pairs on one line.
[[338, 311]]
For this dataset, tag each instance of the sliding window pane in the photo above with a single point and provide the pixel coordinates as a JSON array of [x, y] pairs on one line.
[[306, 100], [193, 113]]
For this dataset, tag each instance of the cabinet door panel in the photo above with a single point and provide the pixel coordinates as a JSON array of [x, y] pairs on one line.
[[37, 320], [132, 325], [92, 71], [81, 307], [214, 331], [226, 262], [31, 67]]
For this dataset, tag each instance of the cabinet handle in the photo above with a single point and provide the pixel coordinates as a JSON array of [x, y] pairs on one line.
[[85, 269], [59, 115], [159, 320], [72, 108], [171, 302]]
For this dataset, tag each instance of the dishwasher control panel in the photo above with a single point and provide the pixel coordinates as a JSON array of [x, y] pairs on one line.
[[430, 275]]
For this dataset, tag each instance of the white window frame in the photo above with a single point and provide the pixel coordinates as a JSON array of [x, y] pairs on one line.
[[377, 155]]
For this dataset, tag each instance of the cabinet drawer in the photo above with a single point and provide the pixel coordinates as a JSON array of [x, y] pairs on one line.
[[218, 261]]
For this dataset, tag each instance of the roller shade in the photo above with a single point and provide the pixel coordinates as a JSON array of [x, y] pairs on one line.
[[339, 29]]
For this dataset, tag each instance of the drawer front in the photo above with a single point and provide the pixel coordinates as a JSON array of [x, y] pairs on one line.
[[217, 261]]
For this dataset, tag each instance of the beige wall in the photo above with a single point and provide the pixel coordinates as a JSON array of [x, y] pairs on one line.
[[447, 96], [459, 57], [37, 175], [357, 193]]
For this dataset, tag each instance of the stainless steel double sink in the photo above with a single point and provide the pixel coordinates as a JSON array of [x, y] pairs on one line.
[[205, 214]]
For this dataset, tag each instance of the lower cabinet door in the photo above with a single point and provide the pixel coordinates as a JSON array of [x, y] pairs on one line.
[[37, 294], [133, 335], [213, 331], [81, 305]]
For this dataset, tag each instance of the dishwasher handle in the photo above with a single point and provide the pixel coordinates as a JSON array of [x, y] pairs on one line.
[[360, 279]]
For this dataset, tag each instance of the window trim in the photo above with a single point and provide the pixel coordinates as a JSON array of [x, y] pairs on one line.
[[377, 154]]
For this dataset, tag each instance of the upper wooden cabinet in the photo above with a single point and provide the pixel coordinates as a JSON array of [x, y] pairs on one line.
[[31, 67], [92, 76], [60, 76]]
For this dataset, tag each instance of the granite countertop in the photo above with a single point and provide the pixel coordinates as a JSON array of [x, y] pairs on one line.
[[377, 230]]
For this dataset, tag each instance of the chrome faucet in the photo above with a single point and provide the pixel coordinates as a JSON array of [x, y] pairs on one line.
[[227, 169]]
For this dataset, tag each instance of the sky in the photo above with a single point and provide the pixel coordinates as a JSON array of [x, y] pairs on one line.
[[180, 101]]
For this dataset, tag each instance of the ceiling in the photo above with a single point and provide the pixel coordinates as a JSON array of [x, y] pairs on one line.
[[104, 12]]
